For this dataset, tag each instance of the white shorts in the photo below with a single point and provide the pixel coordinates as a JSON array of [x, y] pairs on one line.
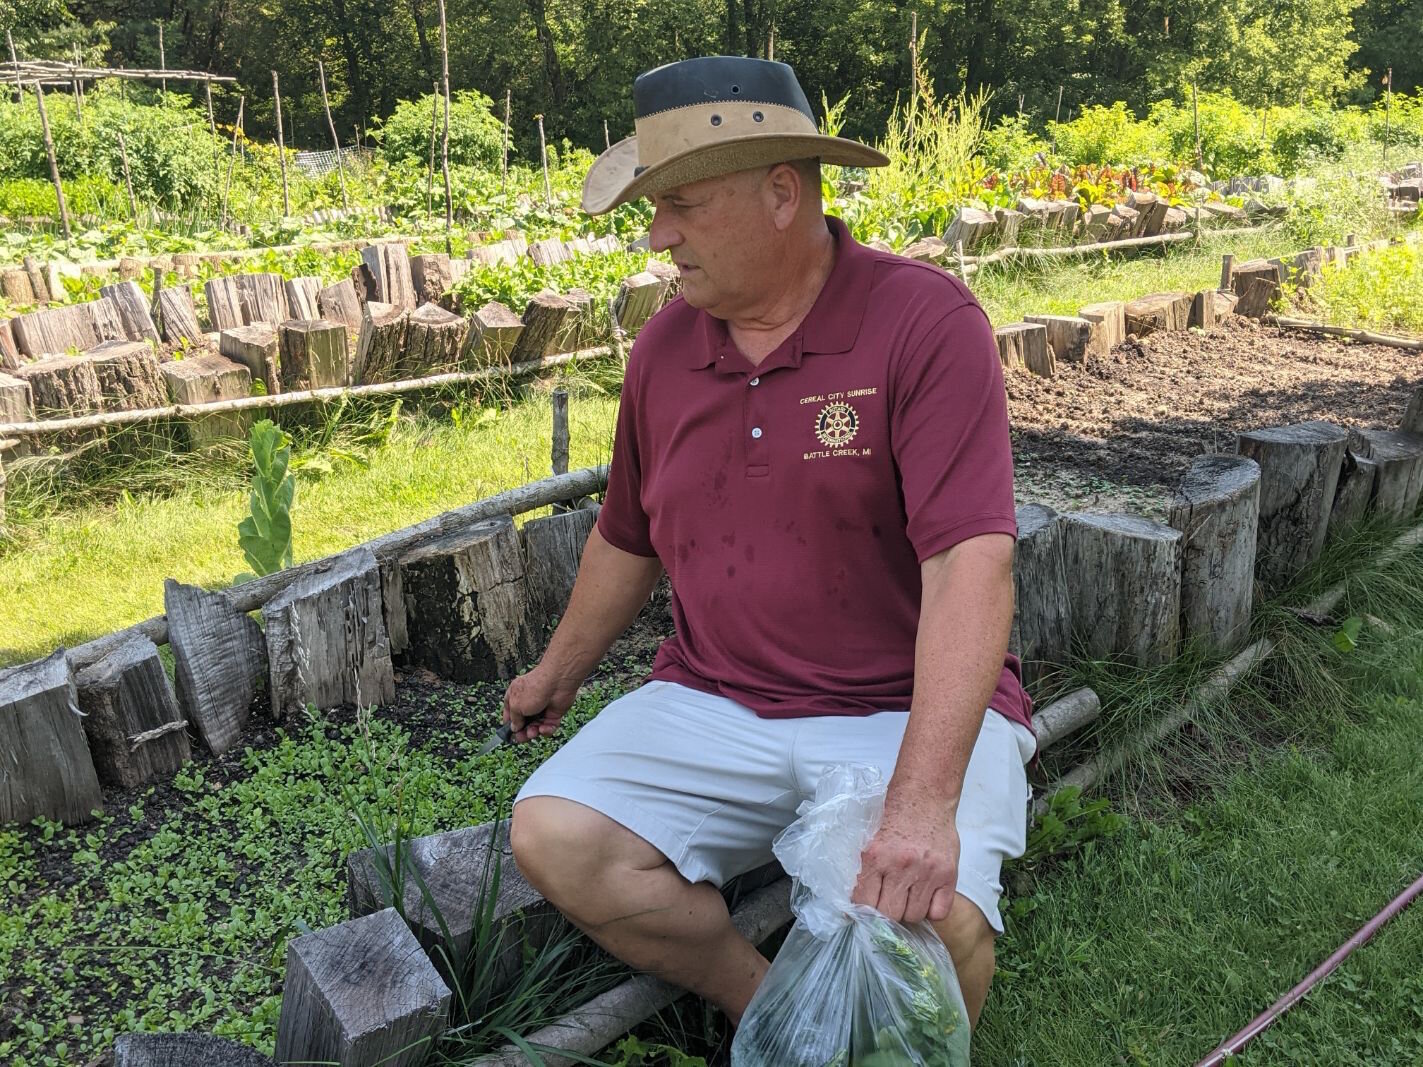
[[709, 784]]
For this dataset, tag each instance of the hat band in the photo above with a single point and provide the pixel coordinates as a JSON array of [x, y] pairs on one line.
[[665, 134]]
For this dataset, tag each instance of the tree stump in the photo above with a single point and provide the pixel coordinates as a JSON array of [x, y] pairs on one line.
[[1175, 220], [1124, 222], [128, 375], [466, 603], [579, 328], [1158, 312], [1022, 345], [132, 307], [136, 732], [971, 226], [1413, 414], [1210, 307], [15, 288], [303, 297], [1355, 493], [9, 350], [361, 992], [224, 303], [381, 347], [220, 662], [1151, 213], [431, 276], [338, 303], [16, 404], [63, 385], [544, 321], [389, 266], [48, 769], [56, 331], [313, 355], [548, 252], [177, 316], [1299, 473], [1042, 608], [434, 339], [1009, 223], [1217, 510], [185, 1050], [263, 298], [494, 330], [1096, 222], [1111, 321], [255, 347], [187, 264], [926, 250], [553, 549], [1071, 339], [1256, 283], [1124, 581], [639, 297], [326, 638], [1398, 482]]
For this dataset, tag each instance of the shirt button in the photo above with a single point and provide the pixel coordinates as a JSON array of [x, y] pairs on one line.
[[756, 432], [755, 381]]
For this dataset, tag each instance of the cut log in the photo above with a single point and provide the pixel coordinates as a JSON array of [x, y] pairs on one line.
[[338, 303], [1042, 608], [63, 385], [1209, 307], [1151, 213], [640, 296], [1217, 510], [431, 275], [493, 255], [1022, 345], [381, 346], [389, 265], [434, 339], [16, 404], [361, 992], [1257, 284], [55, 331], [219, 662], [48, 770], [1398, 482], [1125, 222], [130, 268], [548, 252], [9, 350], [466, 603], [104, 314], [1413, 414], [202, 380], [1111, 321], [303, 297], [128, 375], [1157, 313], [1354, 494], [494, 330], [579, 328], [1096, 222], [1071, 339], [133, 309], [313, 355], [1175, 220], [136, 732], [927, 250], [553, 548], [1124, 582], [255, 347], [187, 264], [16, 289], [177, 316], [364, 283], [1010, 222], [185, 1050], [38, 284], [544, 321], [1299, 474], [264, 298], [224, 304], [326, 638], [971, 226]]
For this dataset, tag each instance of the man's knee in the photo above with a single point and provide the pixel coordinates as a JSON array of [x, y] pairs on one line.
[[564, 848], [969, 939]]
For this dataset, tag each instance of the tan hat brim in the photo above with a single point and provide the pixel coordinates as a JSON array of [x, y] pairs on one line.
[[613, 178]]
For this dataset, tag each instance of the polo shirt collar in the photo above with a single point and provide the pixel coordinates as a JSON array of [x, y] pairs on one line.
[[832, 325]]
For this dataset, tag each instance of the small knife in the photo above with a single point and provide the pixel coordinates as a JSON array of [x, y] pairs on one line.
[[501, 736]]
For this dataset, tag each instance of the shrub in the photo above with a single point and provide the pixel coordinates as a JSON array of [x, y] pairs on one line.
[[476, 136], [1110, 135], [1010, 145]]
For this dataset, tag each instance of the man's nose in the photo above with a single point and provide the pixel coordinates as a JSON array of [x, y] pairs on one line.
[[662, 235]]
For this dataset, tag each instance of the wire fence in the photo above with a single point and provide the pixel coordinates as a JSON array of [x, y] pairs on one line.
[[315, 164]]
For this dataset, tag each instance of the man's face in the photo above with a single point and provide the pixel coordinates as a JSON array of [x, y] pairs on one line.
[[723, 237]]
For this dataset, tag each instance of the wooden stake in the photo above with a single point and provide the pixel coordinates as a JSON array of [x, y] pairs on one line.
[[560, 431], [543, 157], [771, 43], [53, 163], [281, 145], [508, 104], [430, 173], [913, 52], [19, 89], [128, 181], [326, 103], [212, 130], [1058, 114], [1196, 118], [445, 137], [1227, 273], [607, 141], [78, 95], [232, 163], [1387, 114], [162, 58]]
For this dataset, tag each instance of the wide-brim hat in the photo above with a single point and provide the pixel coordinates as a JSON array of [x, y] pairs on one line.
[[701, 118]]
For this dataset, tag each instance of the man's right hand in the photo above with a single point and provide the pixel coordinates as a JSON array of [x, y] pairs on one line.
[[535, 703]]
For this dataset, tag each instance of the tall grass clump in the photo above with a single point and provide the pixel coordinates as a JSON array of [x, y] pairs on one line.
[[1380, 290]]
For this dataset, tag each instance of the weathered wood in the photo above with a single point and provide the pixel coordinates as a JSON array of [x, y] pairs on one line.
[[39, 285], [1009, 222], [496, 254], [1124, 582], [927, 250], [263, 298], [1217, 510], [1151, 212], [969, 226], [256, 348], [1413, 414], [1257, 283], [1042, 608], [1065, 716], [579, 329], [205, 379], [62, 385], [1354, 494], [1096, 222], [1124, 222], [219, 662], [338, 303], [132, 306], [467, 604], [47, 768], [16, 404], [548, 252], [1021, 344], [639, 297], [9, 350], [224, 303], [1071, 339], [128, 376], [553, 548], [434, 339], [326, 638], [104, 314], [381, 346], [494, 330], [15, 287], [185, 1050], [313, 355], [1398, 481], [1110, 318], [1158, 312], [177, 317], [361, 993], [135, 730], [1299, 474], [544, 321], [1209, 307], [431, 274], [55, 331], [389, 266], [303, 298]]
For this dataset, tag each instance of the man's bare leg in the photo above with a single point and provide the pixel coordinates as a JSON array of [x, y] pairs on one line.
[[627, 896], [969, 939]]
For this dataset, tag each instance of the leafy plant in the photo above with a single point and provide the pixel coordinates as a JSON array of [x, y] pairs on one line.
[[266, 533], [476, 136], [1068, 825]]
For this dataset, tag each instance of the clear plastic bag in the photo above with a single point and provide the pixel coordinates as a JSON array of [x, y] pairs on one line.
[[849, 988]]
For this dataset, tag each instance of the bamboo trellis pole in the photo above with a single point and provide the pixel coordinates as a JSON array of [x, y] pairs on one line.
[[340, 162], [232, 163], [15, 62], [162, 58], [53, 163], [281, 145], [508, 106], [430, 170], [445, 137], [128, 180], [543, 158]]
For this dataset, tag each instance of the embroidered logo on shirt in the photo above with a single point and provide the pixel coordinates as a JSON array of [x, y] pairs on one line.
[[837, 424]]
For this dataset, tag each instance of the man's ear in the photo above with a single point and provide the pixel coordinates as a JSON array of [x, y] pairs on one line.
[[784, 186]]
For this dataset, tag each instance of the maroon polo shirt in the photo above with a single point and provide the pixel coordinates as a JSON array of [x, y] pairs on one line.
[[793, 502]]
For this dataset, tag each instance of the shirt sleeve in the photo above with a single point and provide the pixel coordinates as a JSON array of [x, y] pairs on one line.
[[622, 520], [949, 433]]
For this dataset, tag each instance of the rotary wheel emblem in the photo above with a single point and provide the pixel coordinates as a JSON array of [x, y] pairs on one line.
[[837, 424]]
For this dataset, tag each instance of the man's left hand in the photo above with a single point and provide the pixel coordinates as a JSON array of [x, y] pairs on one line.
[[910, 867]]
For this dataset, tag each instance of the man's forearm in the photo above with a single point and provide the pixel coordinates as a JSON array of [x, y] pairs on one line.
[[964, 619], [611, 588]]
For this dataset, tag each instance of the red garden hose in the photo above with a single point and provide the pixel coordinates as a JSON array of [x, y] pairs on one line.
[[1266, 1018]]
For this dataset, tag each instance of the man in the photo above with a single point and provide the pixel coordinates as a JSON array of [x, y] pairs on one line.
[[813, 444]]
